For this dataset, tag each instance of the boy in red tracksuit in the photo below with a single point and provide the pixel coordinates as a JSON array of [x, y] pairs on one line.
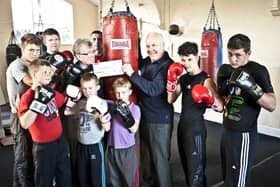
[[198, 93], [38, 112]]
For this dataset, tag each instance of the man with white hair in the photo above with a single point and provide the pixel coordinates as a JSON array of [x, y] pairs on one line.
[[157, 113]]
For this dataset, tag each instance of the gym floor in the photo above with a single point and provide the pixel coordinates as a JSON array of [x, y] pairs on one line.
[[265, 172]]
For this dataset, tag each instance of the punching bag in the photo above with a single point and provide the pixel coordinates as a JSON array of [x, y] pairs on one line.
[[13, 51], [120, 42], [211, 46]]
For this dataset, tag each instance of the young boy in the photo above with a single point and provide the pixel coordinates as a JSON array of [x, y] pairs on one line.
[[93, 119], [122, 152], [38, 112], [198, 93]]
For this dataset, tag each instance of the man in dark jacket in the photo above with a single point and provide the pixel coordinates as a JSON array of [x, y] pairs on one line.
[[157, 114]]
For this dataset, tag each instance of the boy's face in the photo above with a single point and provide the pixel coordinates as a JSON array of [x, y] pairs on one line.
[[42, 76], [97, 43], [89, 88], [123, 93], [190, 62], [30, 52], [238, 57], [52, 42]]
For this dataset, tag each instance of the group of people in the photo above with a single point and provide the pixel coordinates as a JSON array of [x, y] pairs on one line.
[[67, 134]]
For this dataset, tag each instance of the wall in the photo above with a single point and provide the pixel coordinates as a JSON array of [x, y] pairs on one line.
[[251, 17], [85, 20]]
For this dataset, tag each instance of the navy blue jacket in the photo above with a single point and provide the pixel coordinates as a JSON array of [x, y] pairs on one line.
[[152, 90]]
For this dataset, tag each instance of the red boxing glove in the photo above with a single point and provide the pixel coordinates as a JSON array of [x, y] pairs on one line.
[[174, 71], [69, 56], [201, 94]]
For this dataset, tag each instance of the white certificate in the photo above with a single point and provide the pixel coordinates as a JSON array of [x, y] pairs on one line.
[[108, 68]]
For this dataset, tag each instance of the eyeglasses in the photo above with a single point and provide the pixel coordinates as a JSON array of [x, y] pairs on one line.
[[86, 54]]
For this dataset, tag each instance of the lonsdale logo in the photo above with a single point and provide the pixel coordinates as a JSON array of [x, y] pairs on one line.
[[120, 44]]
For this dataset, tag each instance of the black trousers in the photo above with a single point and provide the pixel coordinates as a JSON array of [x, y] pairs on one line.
[[52, 161], [23, 171]]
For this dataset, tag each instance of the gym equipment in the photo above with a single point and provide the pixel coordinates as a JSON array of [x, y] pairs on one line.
[[13, 51], [120, 41], [211, 45]]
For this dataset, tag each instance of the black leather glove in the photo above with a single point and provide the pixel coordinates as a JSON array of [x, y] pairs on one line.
[[246, 82], [122, 109]]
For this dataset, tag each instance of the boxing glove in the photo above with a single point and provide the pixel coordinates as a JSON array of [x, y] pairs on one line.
[[201, 94], [74, 94], [43, 95], [121, 108], [57, 60], [95, 103], [174, 71], [223, 76], [69, 56], [247, 83], [73, 73]]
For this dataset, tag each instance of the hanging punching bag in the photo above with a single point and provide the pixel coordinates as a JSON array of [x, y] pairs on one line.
[[120, 42], [211, 46], [13, 51]]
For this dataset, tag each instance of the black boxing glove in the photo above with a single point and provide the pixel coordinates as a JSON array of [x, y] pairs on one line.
[[223, 76], [43, 95], [122, 109], [247, 83]]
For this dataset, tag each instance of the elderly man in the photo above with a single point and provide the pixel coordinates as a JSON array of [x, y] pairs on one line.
[[157, 114]]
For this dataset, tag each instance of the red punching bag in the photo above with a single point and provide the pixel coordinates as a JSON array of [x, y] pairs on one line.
[[211, 46], [120, 41]]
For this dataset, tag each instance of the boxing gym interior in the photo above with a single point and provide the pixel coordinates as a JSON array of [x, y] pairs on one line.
[[178, 21]]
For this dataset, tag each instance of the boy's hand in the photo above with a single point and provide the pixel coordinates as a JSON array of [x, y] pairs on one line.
[[122, 109], [43, 95]]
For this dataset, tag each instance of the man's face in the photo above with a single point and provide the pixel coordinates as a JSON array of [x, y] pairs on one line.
[[30, 52], [52, 42], [89, 88], [97, 43], [155, 47], [86, 54], [238, 57]]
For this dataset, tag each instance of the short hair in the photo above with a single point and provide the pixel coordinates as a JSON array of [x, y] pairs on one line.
[[30, 38], [96, 32], [239, 41], [78, 43], [157, 35], [36, 64], [51, 31], [121, 82], [88, 76], [188, 48]]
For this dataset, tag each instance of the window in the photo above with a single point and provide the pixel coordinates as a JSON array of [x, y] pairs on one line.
[[37, 15]]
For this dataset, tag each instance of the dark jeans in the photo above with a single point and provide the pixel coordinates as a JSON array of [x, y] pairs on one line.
[[155, 153]]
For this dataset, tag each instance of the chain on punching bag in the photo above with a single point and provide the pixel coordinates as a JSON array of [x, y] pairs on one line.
[[211, 45], [120, 41]]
